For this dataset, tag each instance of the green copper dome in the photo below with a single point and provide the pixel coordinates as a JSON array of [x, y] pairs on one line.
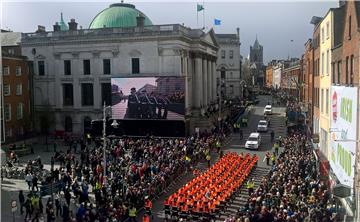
[[119, 15]]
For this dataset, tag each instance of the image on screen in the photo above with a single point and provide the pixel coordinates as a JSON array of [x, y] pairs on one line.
[[148, 98]]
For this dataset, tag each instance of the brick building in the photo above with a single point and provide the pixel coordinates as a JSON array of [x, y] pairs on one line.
[[269, 76], [291, 79], [308, 86], [316, 71], [16, 88]]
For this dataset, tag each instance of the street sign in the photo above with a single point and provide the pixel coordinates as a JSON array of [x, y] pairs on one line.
[[342, 191]]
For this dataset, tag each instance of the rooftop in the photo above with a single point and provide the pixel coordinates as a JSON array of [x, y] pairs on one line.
[[10, 38], [118, 15]]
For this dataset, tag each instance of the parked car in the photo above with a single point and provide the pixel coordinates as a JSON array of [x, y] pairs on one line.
[[262, 126], [254, 141], [268, 110]]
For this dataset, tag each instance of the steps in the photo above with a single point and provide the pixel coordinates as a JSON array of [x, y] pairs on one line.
[[242, 196]]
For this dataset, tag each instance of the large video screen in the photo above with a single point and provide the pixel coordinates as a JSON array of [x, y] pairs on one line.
[[148, 98]]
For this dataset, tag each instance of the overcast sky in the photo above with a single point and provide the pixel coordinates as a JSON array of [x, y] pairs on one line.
[[275, 23]]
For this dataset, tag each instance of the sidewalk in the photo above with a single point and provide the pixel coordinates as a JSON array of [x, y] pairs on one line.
[[10, 187]]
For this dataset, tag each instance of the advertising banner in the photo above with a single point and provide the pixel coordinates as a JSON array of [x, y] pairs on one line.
[[148, 98], [343, 133]]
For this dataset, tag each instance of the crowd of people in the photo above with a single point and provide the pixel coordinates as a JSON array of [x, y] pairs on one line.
[[177, 97], [135, 168], [292, 191]]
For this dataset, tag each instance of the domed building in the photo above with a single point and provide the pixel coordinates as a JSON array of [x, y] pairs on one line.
[[74, 68], [119, 15]]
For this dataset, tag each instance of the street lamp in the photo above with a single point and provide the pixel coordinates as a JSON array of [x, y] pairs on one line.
[[113, 124], [242, 83], [222, 81]]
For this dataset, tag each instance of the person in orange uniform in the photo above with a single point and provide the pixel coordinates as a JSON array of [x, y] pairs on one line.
[[148, 207], [146, 218]]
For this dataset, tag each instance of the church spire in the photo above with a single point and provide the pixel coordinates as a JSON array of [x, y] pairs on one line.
[[63, 26]]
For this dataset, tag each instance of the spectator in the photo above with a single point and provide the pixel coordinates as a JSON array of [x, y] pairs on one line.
[[21, 201]]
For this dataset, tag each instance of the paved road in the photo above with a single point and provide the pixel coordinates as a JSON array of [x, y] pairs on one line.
[[10, 188], [277, 123]]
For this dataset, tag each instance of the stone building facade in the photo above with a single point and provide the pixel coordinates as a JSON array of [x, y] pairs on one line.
[[229, 64], [73, 68]]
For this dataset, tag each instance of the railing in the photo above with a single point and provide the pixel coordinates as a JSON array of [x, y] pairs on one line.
[[171, 29]]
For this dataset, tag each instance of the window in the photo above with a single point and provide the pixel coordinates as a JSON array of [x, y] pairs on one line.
[[135, 64], [41, 68], [21, 130], [223, 54], [223, 74], [327, 30], [322, 35], [327, 62], [6, 70], [231, 89], [231, 54], [349, 37], [347, 70], [19, 89], [7, 91], [8, 132], [352, 70], [322, 101], [182, 65], [67, 67], [18, 71], [327, 101], [106, 67], [19, 111], [7, 112], [106, 93], [86, 66], [338, 72], [68, 94], [87, 94], [322, 64], [333, 72]]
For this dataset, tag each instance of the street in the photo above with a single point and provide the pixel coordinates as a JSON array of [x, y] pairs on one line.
[[234, 144]]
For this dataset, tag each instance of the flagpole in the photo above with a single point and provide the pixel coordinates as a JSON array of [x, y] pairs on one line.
[[197, 16], [204, 15]]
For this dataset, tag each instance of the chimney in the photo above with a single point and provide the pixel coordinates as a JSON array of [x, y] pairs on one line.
[[342, 3], [72, 25], [40, 29], [140, 20], [238, 32], [56, 27]]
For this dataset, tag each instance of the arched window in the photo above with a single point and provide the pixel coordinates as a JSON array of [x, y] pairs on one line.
[[68, 124]]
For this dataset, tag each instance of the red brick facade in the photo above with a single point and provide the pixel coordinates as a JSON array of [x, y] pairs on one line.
[[16, 90]]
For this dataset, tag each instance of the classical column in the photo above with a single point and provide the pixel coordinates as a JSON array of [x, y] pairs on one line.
[[198, 92], [214, 77], [209, 85], [205, 82], [188, 85]]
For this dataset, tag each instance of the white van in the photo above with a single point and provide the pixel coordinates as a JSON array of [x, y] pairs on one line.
[[254, 141]]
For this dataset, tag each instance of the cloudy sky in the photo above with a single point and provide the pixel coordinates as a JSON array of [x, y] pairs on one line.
[[275, 23]]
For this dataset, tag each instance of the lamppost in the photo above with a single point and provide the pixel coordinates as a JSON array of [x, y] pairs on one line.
[[222, 81], [242, 83], [113, 124]]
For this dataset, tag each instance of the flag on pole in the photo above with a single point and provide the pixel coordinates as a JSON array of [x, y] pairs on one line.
[[217, 22], [200, 7]]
